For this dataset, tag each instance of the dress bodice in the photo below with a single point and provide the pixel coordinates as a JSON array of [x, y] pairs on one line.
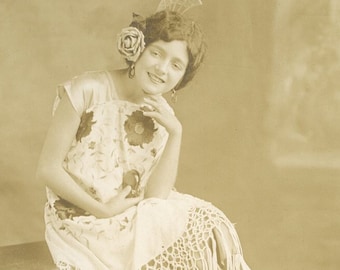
[[115, 144]]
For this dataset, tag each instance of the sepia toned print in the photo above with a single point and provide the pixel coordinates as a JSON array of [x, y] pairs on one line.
[[249, 143]]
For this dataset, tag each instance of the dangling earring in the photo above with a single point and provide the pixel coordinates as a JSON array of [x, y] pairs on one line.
[[132, 71], [173, 96]]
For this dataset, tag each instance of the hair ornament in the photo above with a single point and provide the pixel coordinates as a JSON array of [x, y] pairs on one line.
[[179, 6], [139, 20], [130, 43]]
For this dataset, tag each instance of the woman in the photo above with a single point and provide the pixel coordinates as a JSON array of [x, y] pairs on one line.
[[110, 163]]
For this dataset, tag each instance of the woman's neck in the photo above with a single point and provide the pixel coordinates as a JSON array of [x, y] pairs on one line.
[[127, 88]]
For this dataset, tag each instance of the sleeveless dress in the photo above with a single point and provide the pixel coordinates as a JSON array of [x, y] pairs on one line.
[[117, 145]]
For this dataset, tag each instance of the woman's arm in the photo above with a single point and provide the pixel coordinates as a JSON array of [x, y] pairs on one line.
[[164, 175], [60, 135]]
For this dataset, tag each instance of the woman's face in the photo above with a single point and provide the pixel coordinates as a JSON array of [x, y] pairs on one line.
[[161, 66]]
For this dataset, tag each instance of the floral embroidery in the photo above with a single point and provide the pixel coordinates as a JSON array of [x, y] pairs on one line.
[[132, 178], [67, 210], [123, 224], [85, 126], [153, 152], [92, 145], [139, 129], [93, 193]]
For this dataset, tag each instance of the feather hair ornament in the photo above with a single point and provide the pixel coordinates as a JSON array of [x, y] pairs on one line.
[[179, 6]]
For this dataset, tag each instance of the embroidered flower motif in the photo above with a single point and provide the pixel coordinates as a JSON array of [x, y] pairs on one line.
[[139, 129], [132, 178], [123, 224], [131, 43], [93, 193], [92, 145], [85, 126], [67, 210], [153, 152]]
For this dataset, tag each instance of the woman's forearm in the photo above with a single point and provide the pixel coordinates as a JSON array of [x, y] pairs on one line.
[[60, 135], [164, 175], [61, 183]]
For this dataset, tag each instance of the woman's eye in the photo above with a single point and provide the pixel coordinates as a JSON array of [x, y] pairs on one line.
[[155, 53], [177, 66]]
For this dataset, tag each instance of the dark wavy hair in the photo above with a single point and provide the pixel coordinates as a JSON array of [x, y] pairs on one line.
[[168, 26]]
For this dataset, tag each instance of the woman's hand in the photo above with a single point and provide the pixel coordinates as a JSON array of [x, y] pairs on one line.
[[119, 203], [164, 175], [162, 115]]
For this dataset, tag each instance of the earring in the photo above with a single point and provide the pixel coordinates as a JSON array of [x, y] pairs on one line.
[[173, 96], [132, 71]]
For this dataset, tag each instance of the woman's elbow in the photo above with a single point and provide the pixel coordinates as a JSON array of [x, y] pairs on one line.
[[44, 174]]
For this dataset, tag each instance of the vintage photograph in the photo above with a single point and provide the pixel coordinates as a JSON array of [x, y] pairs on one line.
[[170, 134]]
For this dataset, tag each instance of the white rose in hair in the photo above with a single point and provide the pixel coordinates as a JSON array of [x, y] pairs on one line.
[[131, 43]]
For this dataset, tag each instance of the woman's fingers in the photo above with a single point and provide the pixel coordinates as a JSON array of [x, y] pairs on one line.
[[157, 110], [152, 114], [162, 115], [126, 191], [153, 103], [134, 201], [120, 203]]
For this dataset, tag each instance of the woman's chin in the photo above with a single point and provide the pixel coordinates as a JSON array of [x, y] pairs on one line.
[[149, 92], [155, 91]]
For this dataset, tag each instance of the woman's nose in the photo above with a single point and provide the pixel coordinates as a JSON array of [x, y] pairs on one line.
[[162, 67]]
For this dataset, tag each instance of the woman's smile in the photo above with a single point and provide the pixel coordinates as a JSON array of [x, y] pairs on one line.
[[155, 79]]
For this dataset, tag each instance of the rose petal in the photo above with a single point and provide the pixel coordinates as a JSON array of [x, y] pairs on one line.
[[127, 43]]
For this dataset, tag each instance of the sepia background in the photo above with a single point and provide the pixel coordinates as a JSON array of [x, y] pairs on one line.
[[261, 120]]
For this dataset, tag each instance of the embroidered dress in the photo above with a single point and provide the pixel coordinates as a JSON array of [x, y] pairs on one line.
[[117, 145]]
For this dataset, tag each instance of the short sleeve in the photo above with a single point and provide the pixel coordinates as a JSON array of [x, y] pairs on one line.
[[84, 91]]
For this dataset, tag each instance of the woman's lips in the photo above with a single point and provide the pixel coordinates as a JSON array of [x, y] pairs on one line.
[[154, 78]]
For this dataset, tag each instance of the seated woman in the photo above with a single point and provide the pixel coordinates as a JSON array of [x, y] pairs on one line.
[[110, 163]]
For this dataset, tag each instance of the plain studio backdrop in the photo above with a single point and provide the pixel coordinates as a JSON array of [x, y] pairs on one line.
[[280, 188]]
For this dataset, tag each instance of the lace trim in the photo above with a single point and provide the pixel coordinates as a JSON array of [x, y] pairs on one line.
[[209, 242]]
